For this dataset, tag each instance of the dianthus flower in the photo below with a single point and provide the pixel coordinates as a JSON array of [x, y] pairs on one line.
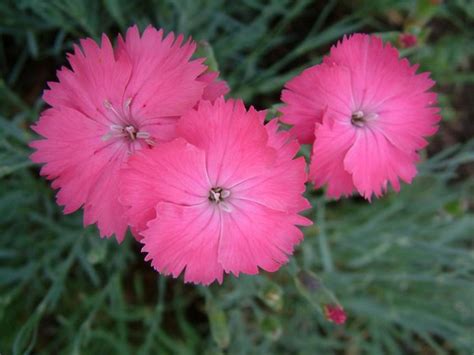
[[224, 197], [368, 113], [110, 104]]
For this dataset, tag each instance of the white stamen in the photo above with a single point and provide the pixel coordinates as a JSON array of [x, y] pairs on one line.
[[226, 207], [116, 127], [125, 130], [216, 196], [361, 119], [358, 114], [107, 136], [225, 193], [131, 132], [107, 104], [150, 141], [126, 108], [111, 107], [371, 116], [358, 119], [143, 135]]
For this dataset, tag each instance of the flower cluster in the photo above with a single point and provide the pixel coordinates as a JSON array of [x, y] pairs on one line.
[[139, 135]]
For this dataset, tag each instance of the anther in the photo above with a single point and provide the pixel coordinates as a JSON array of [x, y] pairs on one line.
[[111, 107], [143, 135], [126, 107], [150, 142], [116, 127], [225, 193], [107, 104]]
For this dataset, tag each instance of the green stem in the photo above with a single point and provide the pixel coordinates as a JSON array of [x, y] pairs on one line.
[[326, 256]]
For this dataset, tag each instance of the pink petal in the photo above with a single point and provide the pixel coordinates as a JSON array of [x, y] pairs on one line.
[[254, 236], [282, 186], [308, 95], [165, 82], [233, 139], [174, 171], [185, 238], [214, 87], [327, 162], [373, 162], [96, 75], [79, 162], [102, 205]]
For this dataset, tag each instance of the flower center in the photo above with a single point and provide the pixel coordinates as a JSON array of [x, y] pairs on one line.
[[128, 132], [358, 119], [123, 128], [361, 119], [218, 194], [131, 131]]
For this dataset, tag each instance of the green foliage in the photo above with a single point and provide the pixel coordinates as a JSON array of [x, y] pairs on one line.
[[402, 267]]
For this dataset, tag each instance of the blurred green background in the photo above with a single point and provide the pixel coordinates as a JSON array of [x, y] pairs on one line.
[[402, 267]]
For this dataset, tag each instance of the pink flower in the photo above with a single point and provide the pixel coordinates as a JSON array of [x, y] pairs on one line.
[[110, 104], [368, 114], [224, 197]]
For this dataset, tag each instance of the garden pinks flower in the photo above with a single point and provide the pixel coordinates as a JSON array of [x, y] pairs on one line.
[[112, 103], [367, 112], [224, 197]]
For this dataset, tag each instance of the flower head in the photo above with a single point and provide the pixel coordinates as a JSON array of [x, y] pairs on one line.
[[224, 197], [367, 112], [110, 104]]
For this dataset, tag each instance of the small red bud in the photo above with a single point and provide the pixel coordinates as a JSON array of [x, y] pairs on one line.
[[335, 314], [407, 40]]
